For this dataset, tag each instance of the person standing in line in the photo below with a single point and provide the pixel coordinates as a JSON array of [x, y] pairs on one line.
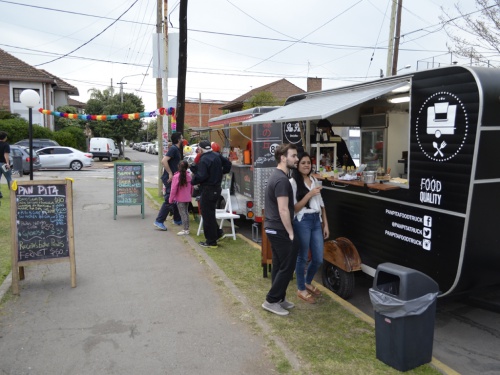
[[208, 174], [4, 159], [279, 210], [181, 193], [310, 226], [170, 164]]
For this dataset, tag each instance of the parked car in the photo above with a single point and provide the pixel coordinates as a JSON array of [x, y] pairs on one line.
[[190, 158], [25, 157], [153, 148], [104, 148], [64, 157], [38, 143], [143, 146]]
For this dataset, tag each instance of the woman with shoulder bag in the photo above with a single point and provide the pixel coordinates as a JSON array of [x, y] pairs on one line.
[[310, 225]]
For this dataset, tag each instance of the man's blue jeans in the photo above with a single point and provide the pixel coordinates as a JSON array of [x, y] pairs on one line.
[[167, 207], [310, 236], [8, 175]]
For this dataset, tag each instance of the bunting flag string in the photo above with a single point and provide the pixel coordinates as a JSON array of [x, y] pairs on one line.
[[125, 116]]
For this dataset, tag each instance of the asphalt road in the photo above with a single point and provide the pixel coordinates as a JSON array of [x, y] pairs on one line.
[[467, 333]]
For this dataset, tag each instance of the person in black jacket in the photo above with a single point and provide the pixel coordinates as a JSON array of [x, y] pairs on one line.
[[5, 168], [208, 174]]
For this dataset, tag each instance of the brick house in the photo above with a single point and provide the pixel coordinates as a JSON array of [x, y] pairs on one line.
[[281, 90], [16, 76], [197, 113]]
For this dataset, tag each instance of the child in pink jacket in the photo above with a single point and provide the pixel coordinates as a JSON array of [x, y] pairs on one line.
[[181, 193]]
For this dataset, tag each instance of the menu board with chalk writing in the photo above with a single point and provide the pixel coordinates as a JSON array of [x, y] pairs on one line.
[[129, 185], [42, 222]]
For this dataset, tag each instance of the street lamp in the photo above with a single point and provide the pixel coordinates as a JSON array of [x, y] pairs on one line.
[[121, 83], [404, 67], [30, 98]]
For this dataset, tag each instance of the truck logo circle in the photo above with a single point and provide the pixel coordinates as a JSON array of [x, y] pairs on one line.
[[442, 125], [292, 132]]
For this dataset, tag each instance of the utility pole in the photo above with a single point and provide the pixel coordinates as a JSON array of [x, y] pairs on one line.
[[397, 39], [159, 100], [390, 49], [121, 90], [181, 81]]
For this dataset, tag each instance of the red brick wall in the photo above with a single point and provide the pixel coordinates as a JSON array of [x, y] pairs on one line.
[[192, 114], [4, 96]]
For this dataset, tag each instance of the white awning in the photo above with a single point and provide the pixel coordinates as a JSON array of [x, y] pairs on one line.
[[323, 104]]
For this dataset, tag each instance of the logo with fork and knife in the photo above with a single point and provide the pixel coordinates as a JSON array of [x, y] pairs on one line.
[[442, 126]]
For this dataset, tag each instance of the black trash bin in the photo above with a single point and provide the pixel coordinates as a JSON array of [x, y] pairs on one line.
[[404, 301], [17, 164]]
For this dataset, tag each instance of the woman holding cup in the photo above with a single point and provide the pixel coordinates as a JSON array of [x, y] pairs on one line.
[[310, 225]]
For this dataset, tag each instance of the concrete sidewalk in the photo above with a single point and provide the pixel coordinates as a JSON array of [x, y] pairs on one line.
[[144, 304]]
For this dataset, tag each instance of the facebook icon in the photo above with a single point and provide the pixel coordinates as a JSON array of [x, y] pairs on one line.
[[427, 221]]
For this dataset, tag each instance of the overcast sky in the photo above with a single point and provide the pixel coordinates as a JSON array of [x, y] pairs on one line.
[[233, 45]]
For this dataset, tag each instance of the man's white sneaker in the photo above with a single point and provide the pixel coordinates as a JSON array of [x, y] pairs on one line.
[[275, 308], [183, 233]]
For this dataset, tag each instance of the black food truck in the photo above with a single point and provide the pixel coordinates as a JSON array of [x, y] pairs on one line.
[[429, 194]]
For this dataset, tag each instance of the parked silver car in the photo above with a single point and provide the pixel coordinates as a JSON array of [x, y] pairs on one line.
[[153, 148], [64, 157], [143, 147], [23, 153]]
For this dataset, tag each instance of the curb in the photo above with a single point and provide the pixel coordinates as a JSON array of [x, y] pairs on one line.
[[5, 285], [236, 293]]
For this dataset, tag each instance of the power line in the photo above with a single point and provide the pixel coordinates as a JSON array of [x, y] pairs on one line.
[[295, 42], [70, 12], [45, 53], [91, 39]]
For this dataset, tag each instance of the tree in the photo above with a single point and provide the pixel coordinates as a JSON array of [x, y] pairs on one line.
[[149, 132], [18, 129], [62, 123], [475, 35], [107, 103], [263, 98]]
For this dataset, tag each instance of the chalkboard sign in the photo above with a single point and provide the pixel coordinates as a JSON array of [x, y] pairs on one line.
[[265, 139], [42, 218], [129, 185]]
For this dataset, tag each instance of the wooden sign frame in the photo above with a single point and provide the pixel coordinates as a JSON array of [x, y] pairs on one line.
[[41, 188], [128, 186]]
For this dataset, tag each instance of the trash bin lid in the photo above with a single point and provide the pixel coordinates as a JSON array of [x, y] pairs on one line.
[[407, 283]]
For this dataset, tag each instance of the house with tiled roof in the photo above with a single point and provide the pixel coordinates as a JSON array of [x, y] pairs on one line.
[[281, 90], [16, 76]]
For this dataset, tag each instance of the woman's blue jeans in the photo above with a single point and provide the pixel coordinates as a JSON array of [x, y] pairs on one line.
[[310, 236]]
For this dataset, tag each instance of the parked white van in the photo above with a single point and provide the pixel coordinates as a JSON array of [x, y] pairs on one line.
[[104, 148]]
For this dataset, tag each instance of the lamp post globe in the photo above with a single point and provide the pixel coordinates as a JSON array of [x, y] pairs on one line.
[[30, 98]]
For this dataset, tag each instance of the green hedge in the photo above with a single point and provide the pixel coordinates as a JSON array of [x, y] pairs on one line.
[[18, 129]]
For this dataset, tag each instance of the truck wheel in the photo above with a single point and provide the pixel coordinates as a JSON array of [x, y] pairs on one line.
[[337, 280]]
